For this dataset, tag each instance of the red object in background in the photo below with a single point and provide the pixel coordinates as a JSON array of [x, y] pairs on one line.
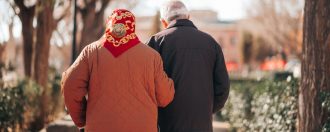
[[273, 64], [232, 66]]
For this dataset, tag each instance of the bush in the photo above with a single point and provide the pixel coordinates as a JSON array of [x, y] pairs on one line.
[[56, 106], [10, 108], [264, 105], [20, 104], [325, 99]]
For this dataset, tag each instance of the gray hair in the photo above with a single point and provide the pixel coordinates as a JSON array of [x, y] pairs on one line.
[[173, 10]]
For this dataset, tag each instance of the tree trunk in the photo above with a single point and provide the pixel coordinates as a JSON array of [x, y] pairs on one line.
[[315, 65], [26, 15], [90, 32], [2, 52], [45, 27], [27, 29], [93, 22]]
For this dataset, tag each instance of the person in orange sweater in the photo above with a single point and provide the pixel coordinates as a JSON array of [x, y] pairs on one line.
[[123, 79]]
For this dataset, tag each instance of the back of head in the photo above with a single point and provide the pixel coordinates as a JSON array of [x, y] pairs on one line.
[[173, 10]]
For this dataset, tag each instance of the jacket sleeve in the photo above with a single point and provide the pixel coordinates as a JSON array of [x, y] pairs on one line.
[[164, 86], [74, 88], [220, 82]]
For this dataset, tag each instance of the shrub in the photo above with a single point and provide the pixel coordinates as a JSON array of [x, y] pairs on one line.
[[20, 104], [325, 98], [265, 105], [9, 108]]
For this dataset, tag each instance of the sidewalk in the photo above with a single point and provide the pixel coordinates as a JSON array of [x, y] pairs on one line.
[[66, 125], [220, 126]]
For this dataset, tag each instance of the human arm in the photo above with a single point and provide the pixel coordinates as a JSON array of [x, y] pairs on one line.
[[164, 86], [74, 88], [220, 81]]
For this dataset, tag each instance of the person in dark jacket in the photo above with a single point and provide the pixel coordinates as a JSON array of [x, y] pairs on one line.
[[194, 60]]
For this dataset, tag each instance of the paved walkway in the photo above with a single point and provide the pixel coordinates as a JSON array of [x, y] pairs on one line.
[[66, 125], [220, 126]]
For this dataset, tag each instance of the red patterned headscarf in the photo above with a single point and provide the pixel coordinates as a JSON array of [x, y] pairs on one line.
[[120, 32]]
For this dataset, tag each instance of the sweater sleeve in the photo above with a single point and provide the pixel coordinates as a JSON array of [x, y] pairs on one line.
[[220, 81], [74, 88], [164, 86]]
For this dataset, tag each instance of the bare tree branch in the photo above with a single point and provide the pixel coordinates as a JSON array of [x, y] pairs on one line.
[[60, 36], [104, 5], [20, 4], [64, 13], [13, 6], [86, 2], [100, 14], [277, 22]]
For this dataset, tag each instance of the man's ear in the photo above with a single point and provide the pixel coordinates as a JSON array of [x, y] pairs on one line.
[[165, 24]]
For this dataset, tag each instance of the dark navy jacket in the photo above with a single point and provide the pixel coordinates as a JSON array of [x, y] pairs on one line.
[[194, 60]]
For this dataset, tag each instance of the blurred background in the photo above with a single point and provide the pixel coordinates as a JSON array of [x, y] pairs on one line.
[[261, 41]]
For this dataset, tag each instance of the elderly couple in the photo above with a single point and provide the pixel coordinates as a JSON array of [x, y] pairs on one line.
[[173, 84]]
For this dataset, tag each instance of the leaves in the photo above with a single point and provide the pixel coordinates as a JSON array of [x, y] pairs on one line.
[[325, 99], [19, 105], [265, 105]]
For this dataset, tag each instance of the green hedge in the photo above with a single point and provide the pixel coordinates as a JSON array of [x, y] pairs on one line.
[[264, 105]]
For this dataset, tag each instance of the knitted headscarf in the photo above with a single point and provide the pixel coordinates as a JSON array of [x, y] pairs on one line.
[[120, 32]]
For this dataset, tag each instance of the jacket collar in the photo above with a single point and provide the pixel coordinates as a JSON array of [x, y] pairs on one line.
[[181, 23]]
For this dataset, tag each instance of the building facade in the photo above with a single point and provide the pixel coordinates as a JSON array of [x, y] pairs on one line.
[[226, 33]]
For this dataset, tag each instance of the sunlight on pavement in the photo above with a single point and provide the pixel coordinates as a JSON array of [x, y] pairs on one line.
[[220, 126]]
